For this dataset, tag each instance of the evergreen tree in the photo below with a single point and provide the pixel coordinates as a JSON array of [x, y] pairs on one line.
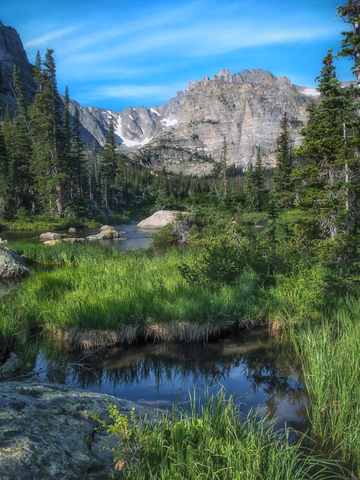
[[250, 190], [78, 153], [4, 176], [37, 72], [67, 140], [120, 177], [108, 163], [283, 181], [350, 13], [330, 173], [48, 158], [259, 180], [163, 191], [20, 175], [224, 165]]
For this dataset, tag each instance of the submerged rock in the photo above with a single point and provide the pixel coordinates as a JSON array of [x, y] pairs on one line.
[[46, 431], [159, 219], [11, 264]]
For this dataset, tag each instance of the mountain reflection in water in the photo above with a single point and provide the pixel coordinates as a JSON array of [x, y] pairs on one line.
[[261, 371]]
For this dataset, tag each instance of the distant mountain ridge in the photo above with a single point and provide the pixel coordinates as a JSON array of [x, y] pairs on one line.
[[187, 133]]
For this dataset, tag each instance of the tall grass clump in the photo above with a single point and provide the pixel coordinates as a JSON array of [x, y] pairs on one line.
[[212, 443], [330, 353]]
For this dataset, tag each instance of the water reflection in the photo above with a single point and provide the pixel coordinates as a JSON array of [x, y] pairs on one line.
[[130, 238], [258, 369]]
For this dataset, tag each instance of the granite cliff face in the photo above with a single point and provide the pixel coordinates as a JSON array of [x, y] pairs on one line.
[[12, 53], [187, 134]]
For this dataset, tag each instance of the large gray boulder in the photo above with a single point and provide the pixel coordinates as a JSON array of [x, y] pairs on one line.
[[11, 264], [47, 432], [159, 219]]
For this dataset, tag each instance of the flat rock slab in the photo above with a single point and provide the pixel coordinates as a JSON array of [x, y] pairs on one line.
[[46, 432], [158, 219], [11, 264]]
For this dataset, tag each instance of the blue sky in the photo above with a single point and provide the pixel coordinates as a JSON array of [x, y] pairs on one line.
[[115, 54]]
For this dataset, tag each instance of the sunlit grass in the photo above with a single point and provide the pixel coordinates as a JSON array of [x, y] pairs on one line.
[[212, 442]]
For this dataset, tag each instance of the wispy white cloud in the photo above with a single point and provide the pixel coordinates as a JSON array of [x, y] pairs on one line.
[[48, 37]]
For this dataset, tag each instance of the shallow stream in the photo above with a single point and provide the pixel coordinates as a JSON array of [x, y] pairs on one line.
[[261, 371]]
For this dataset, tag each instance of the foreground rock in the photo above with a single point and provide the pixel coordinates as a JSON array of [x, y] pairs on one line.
[[11, 264], [159, 219], [46, 432]]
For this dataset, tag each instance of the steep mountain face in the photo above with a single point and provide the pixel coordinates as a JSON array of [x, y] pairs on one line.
[[12, 53], [187, 134]]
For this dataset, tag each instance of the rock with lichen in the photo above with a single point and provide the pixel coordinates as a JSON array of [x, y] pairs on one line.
[[47, 431], [11, 264]]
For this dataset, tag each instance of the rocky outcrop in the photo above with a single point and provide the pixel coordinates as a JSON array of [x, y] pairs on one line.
[[47, 432], [11, 264], [159, 219], [12, 53]]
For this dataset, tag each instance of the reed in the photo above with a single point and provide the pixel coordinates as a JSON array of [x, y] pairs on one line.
[[330, 353], [211, 442]]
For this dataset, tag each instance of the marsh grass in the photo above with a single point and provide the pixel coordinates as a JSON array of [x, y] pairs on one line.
[[98, 289], [210, 442], [330, 354]]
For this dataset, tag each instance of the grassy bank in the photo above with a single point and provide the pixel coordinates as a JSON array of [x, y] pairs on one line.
[[97, 290], [97, 295]]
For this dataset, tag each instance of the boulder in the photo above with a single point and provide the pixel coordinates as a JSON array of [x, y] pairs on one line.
[[105, 235], [159, 219], [107, 227], [72, 230], [47, 431], [11, 265], [108, 234], [2, 241], [52, 236]]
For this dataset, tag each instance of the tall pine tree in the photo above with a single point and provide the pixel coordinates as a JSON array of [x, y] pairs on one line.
[[48, 159], [283, 180]]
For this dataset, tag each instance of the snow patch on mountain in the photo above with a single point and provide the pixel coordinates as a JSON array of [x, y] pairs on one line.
[[131, 143], [167, 122]]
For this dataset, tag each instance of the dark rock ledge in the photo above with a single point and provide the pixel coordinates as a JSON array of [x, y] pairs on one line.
[[46, 432]]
